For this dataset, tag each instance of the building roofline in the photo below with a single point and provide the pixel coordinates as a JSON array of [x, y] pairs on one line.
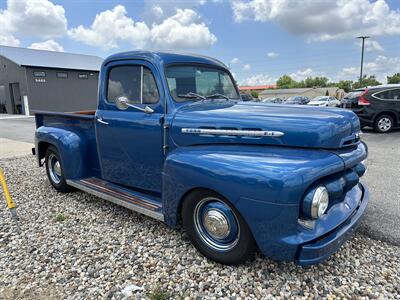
[[54, 56]]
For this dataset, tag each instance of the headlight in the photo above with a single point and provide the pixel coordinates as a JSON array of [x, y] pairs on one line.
[[320, 202], [316, 202]]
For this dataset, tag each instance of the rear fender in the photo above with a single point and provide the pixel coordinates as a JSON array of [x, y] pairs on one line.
[[72, 147]]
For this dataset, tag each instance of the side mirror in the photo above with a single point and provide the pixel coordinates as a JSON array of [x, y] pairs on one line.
[[122, 103]]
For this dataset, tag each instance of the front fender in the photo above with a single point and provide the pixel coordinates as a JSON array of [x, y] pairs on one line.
[[71, 146], [273, 177]]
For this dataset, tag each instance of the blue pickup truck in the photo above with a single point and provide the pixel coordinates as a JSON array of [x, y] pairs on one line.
[[172, 140]]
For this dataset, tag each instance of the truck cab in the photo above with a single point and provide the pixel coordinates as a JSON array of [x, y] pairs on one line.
[[171, 139]]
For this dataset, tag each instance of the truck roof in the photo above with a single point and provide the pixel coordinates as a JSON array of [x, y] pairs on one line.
[[164, 58]]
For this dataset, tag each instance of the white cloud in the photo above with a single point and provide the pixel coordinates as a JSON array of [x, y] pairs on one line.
[[259, 79], [158, 11], [183, 30], [381, 66], [350, 72], [247, 67], [110, 27], [49, 45], [371, 45], [303, 74], [33, 18], [272, 54], [235, 60], [8, 40], [323, 20]]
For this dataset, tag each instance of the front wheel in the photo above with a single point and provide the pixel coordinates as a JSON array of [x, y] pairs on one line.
[[54, 170], [384, 124], [217, 229]]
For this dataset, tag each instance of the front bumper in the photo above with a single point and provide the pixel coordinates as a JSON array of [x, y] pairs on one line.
[[321, 248]]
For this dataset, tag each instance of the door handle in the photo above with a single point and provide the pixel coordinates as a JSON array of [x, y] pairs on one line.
[[100, 120]]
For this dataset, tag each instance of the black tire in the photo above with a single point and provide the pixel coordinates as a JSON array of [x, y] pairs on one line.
[[383, 124], [245, 245], [58, 183]]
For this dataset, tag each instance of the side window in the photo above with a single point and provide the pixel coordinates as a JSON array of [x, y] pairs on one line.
[[396, 94], [136, 83], [150, 91], [389, 94]]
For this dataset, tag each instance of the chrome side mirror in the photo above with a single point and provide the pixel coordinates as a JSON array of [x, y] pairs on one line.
[[122, 103]]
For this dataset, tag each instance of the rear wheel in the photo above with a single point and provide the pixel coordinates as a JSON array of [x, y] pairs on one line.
[[383, 123], [54, 170], [217, 229]]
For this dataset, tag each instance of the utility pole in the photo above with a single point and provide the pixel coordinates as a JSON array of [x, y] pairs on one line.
[[362, 55]]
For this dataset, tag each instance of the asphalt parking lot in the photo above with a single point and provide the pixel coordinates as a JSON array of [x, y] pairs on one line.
[[382, 219], [18, 129]]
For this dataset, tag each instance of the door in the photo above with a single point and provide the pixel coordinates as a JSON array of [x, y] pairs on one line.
[[130, 142], [388, 100], [16, 98], [3, 102]]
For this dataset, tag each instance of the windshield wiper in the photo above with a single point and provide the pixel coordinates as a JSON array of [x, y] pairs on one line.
[[217, 96], [192, 95]]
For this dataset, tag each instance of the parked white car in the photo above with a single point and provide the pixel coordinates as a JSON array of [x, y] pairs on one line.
[[324, 101]]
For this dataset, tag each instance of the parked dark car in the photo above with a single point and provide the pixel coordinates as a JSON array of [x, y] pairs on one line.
[[302, 100], [246, 97], [379, 107], [272, 100]]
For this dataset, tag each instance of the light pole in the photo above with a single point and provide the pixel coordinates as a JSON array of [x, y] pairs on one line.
[[362, 54]]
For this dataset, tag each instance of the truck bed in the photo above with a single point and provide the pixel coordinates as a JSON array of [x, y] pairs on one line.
[[80, 124]]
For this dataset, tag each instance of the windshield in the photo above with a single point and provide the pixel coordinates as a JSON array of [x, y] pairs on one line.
[[197, 82], [320, 98]]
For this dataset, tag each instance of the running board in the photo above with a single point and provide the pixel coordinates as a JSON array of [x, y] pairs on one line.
[[108, 191]]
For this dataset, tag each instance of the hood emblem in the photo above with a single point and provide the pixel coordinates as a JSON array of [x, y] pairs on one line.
[[230, 132]]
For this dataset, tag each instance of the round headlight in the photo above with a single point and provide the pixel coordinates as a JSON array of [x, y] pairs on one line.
[[320, 202]]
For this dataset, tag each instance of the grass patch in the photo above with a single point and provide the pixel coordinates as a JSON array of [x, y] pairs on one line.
[[59, 217], [158, 294]]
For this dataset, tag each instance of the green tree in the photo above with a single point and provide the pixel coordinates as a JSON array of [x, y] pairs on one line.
[[366, 81], [286, 82], [345, 85], [310, 82], [395, 78], [254, 94]]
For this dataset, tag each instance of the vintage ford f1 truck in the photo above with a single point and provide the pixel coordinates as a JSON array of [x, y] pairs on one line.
[[170, 139]]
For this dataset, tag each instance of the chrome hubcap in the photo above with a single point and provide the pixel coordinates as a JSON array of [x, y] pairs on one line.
[[57, 168], [384, 124], [54, 168], [216, 224]]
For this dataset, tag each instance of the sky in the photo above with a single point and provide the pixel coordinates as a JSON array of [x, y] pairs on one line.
[[260, 40]]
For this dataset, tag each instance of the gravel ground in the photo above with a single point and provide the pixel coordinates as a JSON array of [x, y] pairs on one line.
[[76, 246]]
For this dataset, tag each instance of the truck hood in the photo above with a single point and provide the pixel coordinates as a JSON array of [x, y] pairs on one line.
[[222, 122]]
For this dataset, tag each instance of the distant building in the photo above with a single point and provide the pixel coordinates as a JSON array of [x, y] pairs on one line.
[[256, 88], [308, 92], [47, 80]]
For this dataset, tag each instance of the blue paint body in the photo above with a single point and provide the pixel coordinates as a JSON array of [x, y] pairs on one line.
[[265, 178]]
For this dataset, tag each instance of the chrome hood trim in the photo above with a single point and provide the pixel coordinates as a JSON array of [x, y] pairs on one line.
[[227, 132]]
